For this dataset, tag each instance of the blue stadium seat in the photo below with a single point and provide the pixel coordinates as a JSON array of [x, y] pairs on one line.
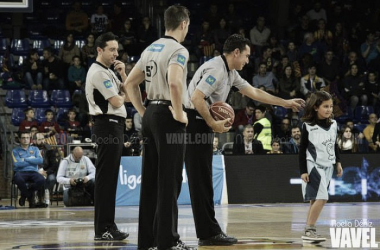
[[20, 47], [61, 98], [131, 111], [40, 44], [4, 45], [80, 43], [39, 99], [57, 45], [39, 114], [17, 116], [61, 115], [279, 113], [362, 113], [16, 98], [360, 127], [346, 115]]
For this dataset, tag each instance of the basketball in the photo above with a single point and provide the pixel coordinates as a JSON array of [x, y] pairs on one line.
[[222, 111]]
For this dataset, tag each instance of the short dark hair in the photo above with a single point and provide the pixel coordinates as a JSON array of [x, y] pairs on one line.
[[102, 40], [174, 15], [235, 41], [262, 108], [49, 50], [48, 111], [20, 133]]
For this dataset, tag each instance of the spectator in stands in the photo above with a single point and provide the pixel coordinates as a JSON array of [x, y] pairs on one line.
[[146, 34], [376, 135], [25, 161], [247, 144], [323, 35], [89, 51], [329, 68], [213, 16], [51, 158], [289, 85], [351, 60], [354, 88], [38, 140], [128, 38], [53, 69], [33, 130], [68, 51], [278, 51], [221, 33], [76, 75], [49, 127], [311, 82], [29, 120], [123, 56], [259, 35], [369, 131], [372, 88], [203, 39], [33, 70], [117, 19], [346, 141], [77, 20], [76, 172], [233, 18], [283, 132], [215, 146], [370, 49], [265, 80], [99, 21], [292, 52], [262, 128], [72, 125], [244, 117], [303, 29], [276, 147], [267, 58], [339, 40], [292, 146], [317, 12], [312, 47], [131, 139]]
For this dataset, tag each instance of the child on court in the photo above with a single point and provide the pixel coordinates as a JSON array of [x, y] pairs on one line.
[[318, 155]]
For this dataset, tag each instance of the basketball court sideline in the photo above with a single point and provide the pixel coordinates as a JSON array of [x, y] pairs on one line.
[[257, 226]]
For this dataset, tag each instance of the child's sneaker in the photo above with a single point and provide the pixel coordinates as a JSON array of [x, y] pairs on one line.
[[311, 235]]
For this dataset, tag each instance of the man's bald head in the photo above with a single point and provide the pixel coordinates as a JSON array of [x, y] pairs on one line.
[[77, 153]]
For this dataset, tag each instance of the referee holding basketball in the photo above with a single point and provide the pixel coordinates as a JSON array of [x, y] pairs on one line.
[[163, 66], [211, 83], [105, 96]]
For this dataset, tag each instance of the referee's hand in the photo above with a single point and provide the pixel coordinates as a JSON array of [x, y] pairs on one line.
[[305, 177], [182, 117]]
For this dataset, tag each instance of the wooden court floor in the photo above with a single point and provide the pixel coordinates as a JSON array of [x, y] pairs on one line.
[[257, 226]]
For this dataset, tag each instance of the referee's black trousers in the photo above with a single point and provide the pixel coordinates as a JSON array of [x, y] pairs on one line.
[[162, 165], [198, 162], [108, 135]]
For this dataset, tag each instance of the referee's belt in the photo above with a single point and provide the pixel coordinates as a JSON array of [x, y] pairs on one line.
[[111, 118], [160, 102]]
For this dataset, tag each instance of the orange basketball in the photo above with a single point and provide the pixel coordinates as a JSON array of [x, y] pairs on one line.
[[222, 111]]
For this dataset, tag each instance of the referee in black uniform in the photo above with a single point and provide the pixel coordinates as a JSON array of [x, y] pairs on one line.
[[163, 67], [105, 96]]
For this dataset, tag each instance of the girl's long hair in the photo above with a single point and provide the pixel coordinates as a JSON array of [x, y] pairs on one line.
[[316, 99]]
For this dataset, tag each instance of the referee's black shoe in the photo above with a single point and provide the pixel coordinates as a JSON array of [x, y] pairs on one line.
[[112, 234], [221, 239]]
